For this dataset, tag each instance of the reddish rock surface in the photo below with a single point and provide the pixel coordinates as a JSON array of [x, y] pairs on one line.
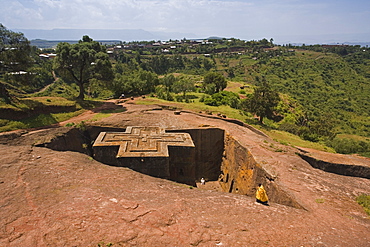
[[51, 198]]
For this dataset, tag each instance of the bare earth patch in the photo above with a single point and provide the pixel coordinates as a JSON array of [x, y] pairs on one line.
[[51, 198]]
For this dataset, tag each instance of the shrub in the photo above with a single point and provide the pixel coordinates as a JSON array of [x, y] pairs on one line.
[[349, 146], [179, 98], [364, 201], [81, 126], [312, 137], [289, 127], [163, 93], [223, 98], [211, 101]]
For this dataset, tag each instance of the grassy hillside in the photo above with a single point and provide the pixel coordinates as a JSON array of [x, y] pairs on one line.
[[324, 84], [33, 112], [330, 88]]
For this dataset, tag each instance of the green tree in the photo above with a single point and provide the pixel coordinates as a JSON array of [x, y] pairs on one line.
[[82, 62], [207, 64], [137, 82], [177, 62], [183, 85], [14, 51], [15, 56], [324, 125], [160, 64], [263, 101], [168, 81], [163, 90], [215, 82], [223, 98]]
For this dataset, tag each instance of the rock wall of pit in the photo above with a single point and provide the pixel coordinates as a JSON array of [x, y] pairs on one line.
[[203, 161], [241, 174], [357, 170]]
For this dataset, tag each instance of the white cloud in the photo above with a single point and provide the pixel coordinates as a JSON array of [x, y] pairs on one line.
[[238, 18], [115, 14]]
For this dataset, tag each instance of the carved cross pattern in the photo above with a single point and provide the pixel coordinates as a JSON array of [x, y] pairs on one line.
[[143, 141]]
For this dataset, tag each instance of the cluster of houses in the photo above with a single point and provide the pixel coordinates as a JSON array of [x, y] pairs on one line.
[[165, 46]]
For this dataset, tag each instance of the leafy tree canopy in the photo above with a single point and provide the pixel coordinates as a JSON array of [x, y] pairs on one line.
[[15, 57], [14, 50], [137, 82], [82, 62], [263, 101], [223, 98], [183, 85], [214, 82]]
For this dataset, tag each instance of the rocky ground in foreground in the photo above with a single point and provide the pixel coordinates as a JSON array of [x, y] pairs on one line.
[[53, 198]]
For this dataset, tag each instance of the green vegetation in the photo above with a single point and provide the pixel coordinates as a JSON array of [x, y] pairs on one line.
[[350, 146], [36, 121], [105, 114], [287, 138], [103, 244], [222, 98], [197, 106], [41, 111], [21, 69], [310, 96], [263, 102], [320, 200], [83, 62], [364, 201], [214, 83], [135, 82]]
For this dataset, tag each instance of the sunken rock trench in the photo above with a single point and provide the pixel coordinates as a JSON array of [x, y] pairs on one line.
[[214, 155]]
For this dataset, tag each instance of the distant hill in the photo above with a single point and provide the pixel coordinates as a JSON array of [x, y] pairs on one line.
[[324, 84], [102, 34]]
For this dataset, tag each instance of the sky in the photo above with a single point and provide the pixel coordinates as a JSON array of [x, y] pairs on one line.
[[292, 20]]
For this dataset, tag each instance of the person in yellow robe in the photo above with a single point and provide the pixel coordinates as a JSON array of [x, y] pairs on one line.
[[261, 195]]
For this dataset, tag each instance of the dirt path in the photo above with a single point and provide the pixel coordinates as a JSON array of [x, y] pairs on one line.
[[89, 114]]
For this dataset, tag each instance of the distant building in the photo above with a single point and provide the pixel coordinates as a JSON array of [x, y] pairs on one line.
[[47, 55], [18, 73], [110, 53]]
